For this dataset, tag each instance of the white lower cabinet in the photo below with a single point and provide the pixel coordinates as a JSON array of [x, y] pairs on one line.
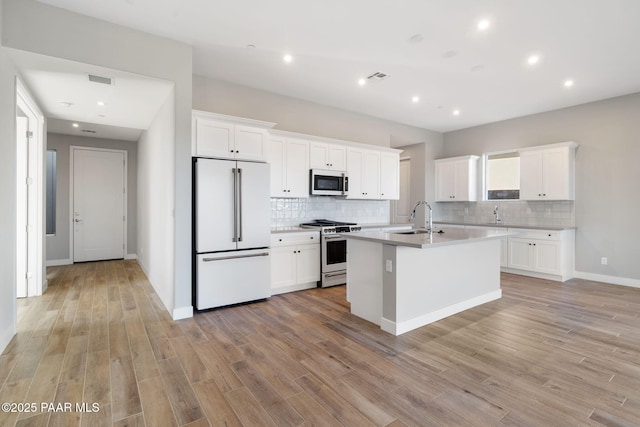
[[542, 253], [295, 261], [504, 247]]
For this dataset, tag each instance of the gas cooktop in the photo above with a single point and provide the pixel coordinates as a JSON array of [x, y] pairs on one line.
[[327, 226]]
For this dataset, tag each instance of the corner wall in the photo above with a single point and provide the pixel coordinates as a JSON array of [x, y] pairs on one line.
[[155, 203], [8, 74], [607, 175]]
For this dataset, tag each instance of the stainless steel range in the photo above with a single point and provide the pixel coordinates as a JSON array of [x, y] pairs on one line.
[[333, 249]]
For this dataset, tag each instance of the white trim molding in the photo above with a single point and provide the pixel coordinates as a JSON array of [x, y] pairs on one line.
[[397, 328], [614, 280], [57, 262], [182, 312], [131, 256]]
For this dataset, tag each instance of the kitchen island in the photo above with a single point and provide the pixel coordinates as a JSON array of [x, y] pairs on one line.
[[403, 281]]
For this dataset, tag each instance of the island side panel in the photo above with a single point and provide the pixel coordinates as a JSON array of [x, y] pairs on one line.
[[364, 279], [431, 284]]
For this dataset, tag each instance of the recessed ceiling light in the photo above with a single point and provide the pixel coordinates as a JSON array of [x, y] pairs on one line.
[[533, 59], [362, 82], [568, 83], [483, 24], [415, 99], [456, 112], [287, 58], [75, 125], [100, 103]]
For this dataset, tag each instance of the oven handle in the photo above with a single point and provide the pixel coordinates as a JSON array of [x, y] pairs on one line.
[[333, 237], [336, 274]]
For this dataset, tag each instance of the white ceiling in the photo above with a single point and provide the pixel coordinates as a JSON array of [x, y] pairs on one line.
[[66, 95], [455, 66]]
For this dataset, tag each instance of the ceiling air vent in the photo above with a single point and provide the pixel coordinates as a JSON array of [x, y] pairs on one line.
[[100, 79], [378, 77]]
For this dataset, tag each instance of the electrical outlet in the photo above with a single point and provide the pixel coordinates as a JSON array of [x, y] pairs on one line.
[[389, 266], [604, 260]]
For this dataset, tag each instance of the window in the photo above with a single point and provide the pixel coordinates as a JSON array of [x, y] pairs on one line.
[[502, 176], [51, 192]]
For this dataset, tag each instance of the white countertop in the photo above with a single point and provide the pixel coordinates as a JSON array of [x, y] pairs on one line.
[[507, 225], [449, 236], [289, 229]]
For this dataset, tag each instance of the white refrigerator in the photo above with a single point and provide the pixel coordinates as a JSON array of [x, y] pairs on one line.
[[232, 232]]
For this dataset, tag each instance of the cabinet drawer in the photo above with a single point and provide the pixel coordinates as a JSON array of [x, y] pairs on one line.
[[287, 239]]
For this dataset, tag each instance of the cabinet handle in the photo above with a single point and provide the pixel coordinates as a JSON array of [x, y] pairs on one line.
[[231, 151], [311, 237], [237, 151], [279, 240]]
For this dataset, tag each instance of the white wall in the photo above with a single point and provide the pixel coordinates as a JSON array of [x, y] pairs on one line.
[[155, 202], [296, 115], [35, 27], [58, 249], [607, 174], [8, 195]]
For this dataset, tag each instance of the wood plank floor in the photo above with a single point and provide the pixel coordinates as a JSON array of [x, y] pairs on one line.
[[545, 354]]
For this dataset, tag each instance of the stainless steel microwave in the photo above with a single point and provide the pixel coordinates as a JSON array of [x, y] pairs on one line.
[[329, 183]]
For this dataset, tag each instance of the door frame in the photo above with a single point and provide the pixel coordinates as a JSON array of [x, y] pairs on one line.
[[35, 239], [394, 203], [125, 194]]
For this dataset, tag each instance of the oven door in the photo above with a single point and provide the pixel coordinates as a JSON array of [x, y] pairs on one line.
[[334, 253]]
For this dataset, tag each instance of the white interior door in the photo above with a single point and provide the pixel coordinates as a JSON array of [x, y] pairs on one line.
[[22, 127], [98, 211], [401, 208]]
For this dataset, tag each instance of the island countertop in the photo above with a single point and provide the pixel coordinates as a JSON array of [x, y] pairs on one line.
[[449, 236]]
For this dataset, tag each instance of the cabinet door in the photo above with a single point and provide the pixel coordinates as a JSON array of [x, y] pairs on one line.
[[276, 158], [531, 175], [555, 174], [461, 181], [250, 143], [215, 139], [546, 258], [318, 155], [337, 157], [297, 168], [371, 175], [520, 253], [355, 159], [389, 176], [308, 263], [283, 266], [444, 181]]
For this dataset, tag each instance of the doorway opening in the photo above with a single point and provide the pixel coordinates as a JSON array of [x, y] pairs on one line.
[[29, 195]]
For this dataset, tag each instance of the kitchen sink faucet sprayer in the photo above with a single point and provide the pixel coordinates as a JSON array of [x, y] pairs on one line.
[[428, 223]]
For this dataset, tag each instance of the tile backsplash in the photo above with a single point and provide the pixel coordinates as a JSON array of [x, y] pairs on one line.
[[290, 212], [520, 212]]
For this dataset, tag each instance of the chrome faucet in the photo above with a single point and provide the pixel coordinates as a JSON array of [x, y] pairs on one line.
[[428, 222], [496, 214]]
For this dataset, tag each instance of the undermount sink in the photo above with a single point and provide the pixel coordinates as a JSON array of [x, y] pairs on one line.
[[412, 232]]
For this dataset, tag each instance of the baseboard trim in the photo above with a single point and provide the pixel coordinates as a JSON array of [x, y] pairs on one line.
[[614, 280], [182, 312], [131, 256], [396, 328], [57, 262]]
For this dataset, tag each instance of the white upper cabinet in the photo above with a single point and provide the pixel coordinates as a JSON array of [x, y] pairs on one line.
[[227, 137], [363, 167], [456, 179], [547, 172], [327, 156], [289, 159], [389, 176]]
